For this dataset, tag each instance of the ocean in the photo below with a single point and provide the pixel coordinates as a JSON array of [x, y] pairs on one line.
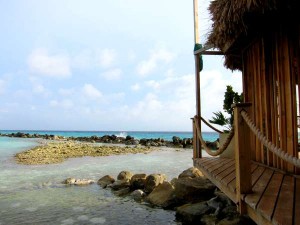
[[34, 194], [209, 136]]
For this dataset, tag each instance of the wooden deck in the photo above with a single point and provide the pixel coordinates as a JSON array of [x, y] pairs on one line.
[[275, 197]]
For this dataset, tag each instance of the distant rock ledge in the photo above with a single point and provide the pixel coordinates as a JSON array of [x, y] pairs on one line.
[[176, 142]]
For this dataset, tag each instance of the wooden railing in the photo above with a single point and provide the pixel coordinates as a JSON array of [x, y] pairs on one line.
[[243, 127]]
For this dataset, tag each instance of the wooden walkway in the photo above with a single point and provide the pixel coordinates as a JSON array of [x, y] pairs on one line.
[[275, 197]]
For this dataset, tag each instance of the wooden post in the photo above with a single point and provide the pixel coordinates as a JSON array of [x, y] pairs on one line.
[[196, 20], [198, 102], [242, 155], [197, 144], [195, 140]]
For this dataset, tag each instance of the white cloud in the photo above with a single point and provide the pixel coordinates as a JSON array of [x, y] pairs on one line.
[[135, 87], [113, 74], [107, 57], [40, 62], [90, 91], [156, 56]]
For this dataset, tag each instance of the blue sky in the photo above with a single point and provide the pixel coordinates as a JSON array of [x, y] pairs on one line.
[[104, 65]]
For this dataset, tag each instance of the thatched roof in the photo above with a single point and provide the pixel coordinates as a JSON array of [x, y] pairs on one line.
[[234, 20]]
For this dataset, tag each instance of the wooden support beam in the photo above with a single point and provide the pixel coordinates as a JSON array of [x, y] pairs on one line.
[[242, 155], [196, 22], [198, 101]]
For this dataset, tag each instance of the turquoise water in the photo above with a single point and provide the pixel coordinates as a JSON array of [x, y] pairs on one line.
[[209, 136], [35, 195]]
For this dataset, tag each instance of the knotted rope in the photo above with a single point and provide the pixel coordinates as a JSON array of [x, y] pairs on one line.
[[277, 151]]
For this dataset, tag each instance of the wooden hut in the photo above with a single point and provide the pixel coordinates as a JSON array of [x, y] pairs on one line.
[[261, 38]]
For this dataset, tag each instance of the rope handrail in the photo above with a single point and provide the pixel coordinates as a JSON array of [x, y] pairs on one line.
[[277, 151], [203, 143], [210, 126]]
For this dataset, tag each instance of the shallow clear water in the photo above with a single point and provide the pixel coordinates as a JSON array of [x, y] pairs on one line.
[[35, 195]]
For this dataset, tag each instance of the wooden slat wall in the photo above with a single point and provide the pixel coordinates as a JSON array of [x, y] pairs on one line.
[[269, 83]]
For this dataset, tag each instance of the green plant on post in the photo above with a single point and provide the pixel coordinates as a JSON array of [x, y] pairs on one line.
[[219, 118]]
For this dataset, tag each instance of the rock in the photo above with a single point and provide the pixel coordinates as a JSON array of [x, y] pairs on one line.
[[215, 203], [229, 212], [69, 181], [119, 184], [153, 180], [192, 213], [124, 175], [83, 182], [138, 195], [191, 172], [240, 220], [223, 198], [78, 181], [162, 195], [137, 181], [123, 191], [106, 180], [176, 140], [194, 189], [209, 220]]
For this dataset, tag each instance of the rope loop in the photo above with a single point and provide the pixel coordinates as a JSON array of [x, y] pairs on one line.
[[204, 145], [268, 144]]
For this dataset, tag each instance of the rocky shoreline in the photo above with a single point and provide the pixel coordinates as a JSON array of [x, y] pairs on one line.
[[176, 142], [58, 151], [194, 198]]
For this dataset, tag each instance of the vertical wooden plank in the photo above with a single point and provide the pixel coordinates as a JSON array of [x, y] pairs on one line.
[[198, 101], [268, 96], [276, 99], [284, 210], [242, 155], [297, 202], [256, 102], [288, 95]]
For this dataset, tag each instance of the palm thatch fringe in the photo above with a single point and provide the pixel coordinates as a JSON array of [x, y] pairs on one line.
[[232, 19]]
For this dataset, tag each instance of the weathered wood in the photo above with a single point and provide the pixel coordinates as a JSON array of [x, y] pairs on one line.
[[242, 155], [223, 162], [257, 173], [198, 101], [223, 168], [297, 202], [284, 208], [195, 154], [196, 22], [259, 188], [268, 201]]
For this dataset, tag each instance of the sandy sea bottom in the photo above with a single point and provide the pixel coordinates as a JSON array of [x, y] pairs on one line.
[[35, 195]]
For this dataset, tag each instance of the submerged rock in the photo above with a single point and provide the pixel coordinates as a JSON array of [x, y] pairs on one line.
[[106, 180], [74, 181]]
